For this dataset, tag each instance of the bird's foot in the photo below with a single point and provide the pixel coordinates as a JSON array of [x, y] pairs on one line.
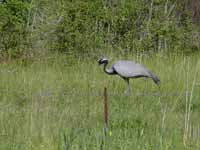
[[127, 92]]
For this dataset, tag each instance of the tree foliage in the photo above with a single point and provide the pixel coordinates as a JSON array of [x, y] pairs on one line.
[[87, 26], [13, 21]]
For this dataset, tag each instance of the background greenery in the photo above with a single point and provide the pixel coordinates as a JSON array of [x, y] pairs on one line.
[[88, 27]]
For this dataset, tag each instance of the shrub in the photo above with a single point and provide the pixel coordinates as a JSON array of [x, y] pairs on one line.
[[13, 22]]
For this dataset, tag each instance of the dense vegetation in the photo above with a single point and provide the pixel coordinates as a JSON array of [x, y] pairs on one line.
[[30, 27]]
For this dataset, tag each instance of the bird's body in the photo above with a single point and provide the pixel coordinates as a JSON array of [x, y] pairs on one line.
[[128, 69]]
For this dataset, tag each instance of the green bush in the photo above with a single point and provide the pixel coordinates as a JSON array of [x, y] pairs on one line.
[[136, 25], [87, 27], [13, 22]]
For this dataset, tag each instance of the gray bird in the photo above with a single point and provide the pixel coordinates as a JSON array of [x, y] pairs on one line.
[[128, 69]]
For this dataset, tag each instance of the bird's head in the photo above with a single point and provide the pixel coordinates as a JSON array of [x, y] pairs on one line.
[[103, 61]]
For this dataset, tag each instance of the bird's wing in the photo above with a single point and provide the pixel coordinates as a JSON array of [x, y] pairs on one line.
[[130, 69]]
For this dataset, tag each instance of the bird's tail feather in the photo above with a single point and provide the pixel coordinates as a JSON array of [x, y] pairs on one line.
[[155, 78]]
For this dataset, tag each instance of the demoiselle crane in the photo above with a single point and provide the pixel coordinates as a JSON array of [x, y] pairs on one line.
[[128, 69]]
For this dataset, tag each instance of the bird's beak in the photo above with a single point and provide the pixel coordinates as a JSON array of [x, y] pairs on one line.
[[99, 63]]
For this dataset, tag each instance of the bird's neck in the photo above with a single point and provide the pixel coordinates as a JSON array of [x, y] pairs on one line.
[[108, 71]]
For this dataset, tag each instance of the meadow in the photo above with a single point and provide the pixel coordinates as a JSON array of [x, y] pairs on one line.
[[56, 103]]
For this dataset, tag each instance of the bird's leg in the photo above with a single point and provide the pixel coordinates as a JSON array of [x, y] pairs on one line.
[[146, 84], [128, 86]]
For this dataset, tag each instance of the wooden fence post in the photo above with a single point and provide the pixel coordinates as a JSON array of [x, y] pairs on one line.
[[105, 110]]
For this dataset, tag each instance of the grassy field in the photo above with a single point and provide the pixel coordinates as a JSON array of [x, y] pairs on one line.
[[57, 104]]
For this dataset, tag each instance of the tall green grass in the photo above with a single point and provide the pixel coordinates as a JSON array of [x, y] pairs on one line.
[[57, 103]]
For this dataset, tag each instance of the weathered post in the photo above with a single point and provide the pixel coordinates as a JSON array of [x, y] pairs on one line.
[[105, 110]]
